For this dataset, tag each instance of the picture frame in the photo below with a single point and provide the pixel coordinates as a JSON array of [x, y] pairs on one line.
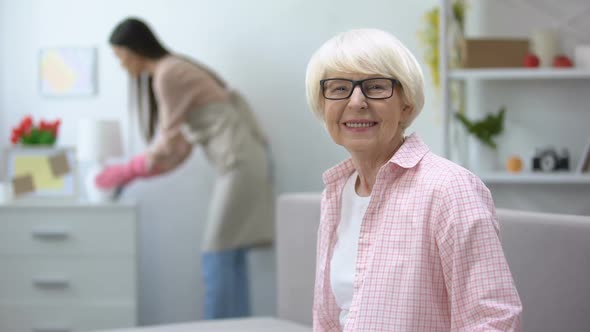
[[584, 163], [67, 71], [40, 174]]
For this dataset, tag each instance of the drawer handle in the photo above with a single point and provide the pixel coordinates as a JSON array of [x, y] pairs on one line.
[[51, 282], [50, 233], [51, 329]]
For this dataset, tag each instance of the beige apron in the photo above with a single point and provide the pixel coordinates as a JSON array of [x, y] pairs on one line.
[[241, 209]]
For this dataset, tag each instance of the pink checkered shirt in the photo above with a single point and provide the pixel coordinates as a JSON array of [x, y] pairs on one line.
[[429, 253]]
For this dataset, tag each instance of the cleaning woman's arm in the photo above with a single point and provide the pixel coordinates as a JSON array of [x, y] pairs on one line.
[[167, 154], [170, 148]]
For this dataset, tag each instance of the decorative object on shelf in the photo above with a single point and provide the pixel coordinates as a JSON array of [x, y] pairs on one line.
[[485, 130], [429, 37], [549, 160], [582, 56], [98, 141], [562, 61], [531, 61], [514, 164], [544, 44], [67, 71], [27, 133], [40, 173], [584, 166]]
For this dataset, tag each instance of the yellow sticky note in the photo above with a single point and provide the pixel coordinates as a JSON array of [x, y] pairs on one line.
[[39, 168]]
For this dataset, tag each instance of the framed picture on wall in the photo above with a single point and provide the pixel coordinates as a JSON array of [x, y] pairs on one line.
[[67, 71], [584, 166], [40, 173]]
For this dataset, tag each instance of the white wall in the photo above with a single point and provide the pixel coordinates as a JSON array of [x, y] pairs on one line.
[[259, 46]]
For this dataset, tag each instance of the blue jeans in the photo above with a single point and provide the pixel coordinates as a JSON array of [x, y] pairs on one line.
[[225, 275]]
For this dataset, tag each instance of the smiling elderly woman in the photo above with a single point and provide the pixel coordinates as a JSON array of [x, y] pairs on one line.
[[408, 241]]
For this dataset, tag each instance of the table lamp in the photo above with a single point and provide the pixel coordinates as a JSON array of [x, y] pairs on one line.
[[98, 141]]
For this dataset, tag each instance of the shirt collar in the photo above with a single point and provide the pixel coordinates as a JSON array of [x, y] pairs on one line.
[[407, 156], [411, 152]]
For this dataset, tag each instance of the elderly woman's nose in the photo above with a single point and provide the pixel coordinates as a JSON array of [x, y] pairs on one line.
[[357, 98]]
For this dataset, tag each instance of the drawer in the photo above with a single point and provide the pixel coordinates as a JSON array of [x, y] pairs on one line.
[[61, 231], [62, 279], [65, 318]]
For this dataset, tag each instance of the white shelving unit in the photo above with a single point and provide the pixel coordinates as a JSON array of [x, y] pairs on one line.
[[447, 75], [535, 178], [518, 74]]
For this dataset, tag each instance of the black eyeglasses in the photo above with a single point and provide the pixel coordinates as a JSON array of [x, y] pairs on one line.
[[372, 88]]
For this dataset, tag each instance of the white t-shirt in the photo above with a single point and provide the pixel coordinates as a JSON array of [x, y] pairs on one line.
[[343, 263]]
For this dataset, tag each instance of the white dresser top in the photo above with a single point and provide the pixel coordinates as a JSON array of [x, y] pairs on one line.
[[65, 204]]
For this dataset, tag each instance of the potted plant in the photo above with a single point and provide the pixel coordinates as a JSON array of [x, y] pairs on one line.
[[28, 134], [485, 155]]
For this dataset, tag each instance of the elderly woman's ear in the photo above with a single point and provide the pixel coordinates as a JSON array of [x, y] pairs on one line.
[[407, 111]]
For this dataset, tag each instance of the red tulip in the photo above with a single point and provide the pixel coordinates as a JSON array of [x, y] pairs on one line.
[[26, 125]]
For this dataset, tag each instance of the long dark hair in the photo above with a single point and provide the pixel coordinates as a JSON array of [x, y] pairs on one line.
[[135, 35]]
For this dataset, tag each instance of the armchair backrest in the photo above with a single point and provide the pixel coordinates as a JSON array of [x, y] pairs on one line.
[[549, 256], [297, 221]]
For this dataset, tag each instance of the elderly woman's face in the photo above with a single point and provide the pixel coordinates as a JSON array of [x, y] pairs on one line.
[[361, 124]]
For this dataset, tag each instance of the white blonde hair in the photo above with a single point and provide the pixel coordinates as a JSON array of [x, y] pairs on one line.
[[366, 51]]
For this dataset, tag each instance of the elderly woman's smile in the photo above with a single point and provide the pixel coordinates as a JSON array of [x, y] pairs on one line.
[[359, 125]]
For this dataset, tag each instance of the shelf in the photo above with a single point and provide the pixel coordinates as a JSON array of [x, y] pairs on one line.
[[519, 73], [536, 178]]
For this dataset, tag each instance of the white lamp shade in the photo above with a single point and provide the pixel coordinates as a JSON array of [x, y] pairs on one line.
[[99, 139]]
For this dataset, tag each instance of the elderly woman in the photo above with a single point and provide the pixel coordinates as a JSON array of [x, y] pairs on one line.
[[408, 241]]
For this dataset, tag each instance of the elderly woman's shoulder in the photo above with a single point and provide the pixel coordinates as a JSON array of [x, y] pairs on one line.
[[446, 174]]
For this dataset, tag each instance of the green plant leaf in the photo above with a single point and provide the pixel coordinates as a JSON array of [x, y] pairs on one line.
[[46, 137], [465, 121], [486, 129]]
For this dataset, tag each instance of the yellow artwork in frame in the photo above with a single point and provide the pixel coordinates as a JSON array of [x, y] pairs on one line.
[[41, 173], [67, 71]]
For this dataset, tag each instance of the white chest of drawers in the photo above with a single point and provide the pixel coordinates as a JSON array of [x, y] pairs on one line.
[[67, 267]]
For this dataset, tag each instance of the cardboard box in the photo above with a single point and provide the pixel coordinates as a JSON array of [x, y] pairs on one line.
[[493, 52]]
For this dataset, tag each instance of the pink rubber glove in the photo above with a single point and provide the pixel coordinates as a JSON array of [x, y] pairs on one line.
[[119, 175]]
